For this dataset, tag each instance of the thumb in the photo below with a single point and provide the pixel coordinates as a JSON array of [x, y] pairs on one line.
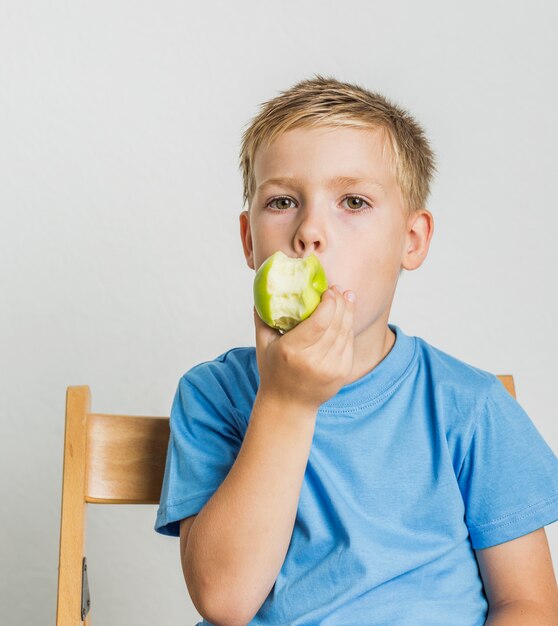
[[310, 330]]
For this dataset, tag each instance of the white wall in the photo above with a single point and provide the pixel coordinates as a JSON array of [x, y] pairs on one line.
[[121, 262]]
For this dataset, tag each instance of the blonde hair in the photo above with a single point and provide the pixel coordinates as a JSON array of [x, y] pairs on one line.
[[325, 101]]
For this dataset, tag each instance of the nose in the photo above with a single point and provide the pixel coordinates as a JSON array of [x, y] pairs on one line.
[[310, 235]]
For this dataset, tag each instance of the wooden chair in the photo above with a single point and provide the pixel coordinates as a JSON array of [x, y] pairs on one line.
[[108, 459]]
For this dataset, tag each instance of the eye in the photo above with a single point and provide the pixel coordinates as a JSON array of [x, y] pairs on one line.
[[359, 204], [281, 200]]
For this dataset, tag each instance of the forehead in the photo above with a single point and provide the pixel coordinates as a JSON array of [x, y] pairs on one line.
[[325, 153]]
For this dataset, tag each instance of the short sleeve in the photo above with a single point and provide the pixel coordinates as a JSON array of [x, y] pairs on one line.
[[509, 477], [204, 442]]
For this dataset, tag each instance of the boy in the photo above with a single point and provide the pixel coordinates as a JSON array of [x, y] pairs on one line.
[[347, 473]]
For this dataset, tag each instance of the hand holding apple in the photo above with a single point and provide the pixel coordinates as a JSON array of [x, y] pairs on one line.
[[309, 364]]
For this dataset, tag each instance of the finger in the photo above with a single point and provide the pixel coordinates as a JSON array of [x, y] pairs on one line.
[[346, 326], [329, 338], [309, 331]]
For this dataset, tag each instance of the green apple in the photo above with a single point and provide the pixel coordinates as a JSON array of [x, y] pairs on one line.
[[288, 290]]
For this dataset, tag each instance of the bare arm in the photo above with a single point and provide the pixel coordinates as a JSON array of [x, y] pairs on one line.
[[519, 581], [239, 540], [522, 613]]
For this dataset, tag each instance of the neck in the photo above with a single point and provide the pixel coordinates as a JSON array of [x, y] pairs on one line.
[[371, 346]]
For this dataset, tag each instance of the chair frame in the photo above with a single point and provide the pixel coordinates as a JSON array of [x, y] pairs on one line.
[[108, 459]]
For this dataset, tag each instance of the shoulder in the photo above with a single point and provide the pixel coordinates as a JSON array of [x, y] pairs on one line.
[[232, 364], [453, 378], [230, 379]]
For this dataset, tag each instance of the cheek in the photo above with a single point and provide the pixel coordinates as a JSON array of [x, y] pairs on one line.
[[264, 246], [374, 284], [264, 229]]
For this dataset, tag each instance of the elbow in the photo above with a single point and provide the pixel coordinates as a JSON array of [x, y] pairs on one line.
[[219, 600], [220, 621], [223, 613], [216, 607]]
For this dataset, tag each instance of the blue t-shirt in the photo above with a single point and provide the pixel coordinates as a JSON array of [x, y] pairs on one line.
[[412, 467]]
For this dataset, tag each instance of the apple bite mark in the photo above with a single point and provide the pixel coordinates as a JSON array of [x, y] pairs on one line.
[[288, 290]]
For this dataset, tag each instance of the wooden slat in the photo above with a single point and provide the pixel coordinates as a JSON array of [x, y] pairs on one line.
[[72, 521], [125, 458]]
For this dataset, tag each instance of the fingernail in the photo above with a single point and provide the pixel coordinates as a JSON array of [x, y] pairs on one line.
[[351, 296]]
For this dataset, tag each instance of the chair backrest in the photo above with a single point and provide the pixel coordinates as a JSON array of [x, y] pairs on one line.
[[108, 459]]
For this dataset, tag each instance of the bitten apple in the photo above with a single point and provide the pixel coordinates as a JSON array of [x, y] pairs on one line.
[[287, 290]]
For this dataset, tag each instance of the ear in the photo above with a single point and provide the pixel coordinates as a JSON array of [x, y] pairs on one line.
[[419, 231], [246, 237]]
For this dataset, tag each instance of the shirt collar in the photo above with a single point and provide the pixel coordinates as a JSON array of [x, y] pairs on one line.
[[380, 381]]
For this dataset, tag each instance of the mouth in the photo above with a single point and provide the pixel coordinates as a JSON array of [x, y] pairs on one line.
[[330, 280]]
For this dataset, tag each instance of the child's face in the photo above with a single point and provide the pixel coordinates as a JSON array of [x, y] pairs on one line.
[[360, 248]]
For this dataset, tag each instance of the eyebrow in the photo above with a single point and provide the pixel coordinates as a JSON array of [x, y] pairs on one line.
[[338, 181]]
